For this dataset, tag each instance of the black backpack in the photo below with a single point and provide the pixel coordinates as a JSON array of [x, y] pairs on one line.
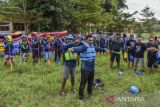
[[98, 83]]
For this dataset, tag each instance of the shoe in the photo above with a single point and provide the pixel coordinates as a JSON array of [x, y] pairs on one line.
[[81, 98], [62, 93]]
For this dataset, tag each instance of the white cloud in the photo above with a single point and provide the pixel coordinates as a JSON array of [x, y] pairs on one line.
[[138, 5]]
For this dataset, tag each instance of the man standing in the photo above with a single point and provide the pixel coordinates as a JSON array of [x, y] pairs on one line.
[[69, 63], [130, 45], [152, 49], [139, 50], [115, 47], [24, 49], [48, 49], [57, 48], [87, 55], [36, 49], [9, 51]]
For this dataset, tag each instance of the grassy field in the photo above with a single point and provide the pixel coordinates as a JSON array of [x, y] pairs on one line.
[[39, 86]]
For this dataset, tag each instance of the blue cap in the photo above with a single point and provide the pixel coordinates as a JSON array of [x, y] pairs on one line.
[[70, 36]]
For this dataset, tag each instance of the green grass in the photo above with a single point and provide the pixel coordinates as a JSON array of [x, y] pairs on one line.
[[39, 86]]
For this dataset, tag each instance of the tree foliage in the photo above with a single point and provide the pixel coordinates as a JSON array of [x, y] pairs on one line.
[[148, 20], [71, 15]]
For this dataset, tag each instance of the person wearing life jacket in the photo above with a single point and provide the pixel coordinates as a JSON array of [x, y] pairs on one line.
[[139, 50], [87, 56], [16, 47], [36, 49], [9, 51], [115, 47], [130, 46], [48, 49], [42, 42], [25, 48], [57, 48], [69, 63], [152, 49]]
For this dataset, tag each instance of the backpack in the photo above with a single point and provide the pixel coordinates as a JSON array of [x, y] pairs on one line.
[[98, 83]]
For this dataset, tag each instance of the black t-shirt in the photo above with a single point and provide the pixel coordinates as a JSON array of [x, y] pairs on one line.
[[139, 50], [152, 54], [131, 44], [116, 45]]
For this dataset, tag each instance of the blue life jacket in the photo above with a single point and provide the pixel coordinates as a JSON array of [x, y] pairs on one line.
[[90, 54], [25, 47], [46, 46], [8, 48], [16, 46]]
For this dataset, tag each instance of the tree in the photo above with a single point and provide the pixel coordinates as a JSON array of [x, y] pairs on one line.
[[115, 18], [73, 15], [148, 20], [16, 11], [147, 13]]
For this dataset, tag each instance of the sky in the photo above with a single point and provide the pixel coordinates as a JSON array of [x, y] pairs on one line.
[[138, 5]]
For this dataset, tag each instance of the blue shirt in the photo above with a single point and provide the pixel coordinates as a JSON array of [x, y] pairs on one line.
[[8, 48], [48, 48]]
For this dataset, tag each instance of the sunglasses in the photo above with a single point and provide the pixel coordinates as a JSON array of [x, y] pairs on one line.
[[150, 40]]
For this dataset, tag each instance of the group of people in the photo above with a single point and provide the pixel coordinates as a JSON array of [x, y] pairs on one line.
[[73, 48], [41, 48], [133, 51]]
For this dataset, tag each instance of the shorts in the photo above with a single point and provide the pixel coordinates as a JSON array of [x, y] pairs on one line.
[[152, 63], [113, 55], [136, 60], [47, 55], [35, 54], [69, 70]]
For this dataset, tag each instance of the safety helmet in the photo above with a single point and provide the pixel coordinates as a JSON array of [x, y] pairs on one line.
[[70, 36], [134, 90], [8, 38], [23, 36]]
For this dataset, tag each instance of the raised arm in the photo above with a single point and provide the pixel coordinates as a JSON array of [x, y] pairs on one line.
[[99, 49], [79, 49]]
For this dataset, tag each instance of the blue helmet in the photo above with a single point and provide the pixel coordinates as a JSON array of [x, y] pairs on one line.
[[70, 36], [134, 90]]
